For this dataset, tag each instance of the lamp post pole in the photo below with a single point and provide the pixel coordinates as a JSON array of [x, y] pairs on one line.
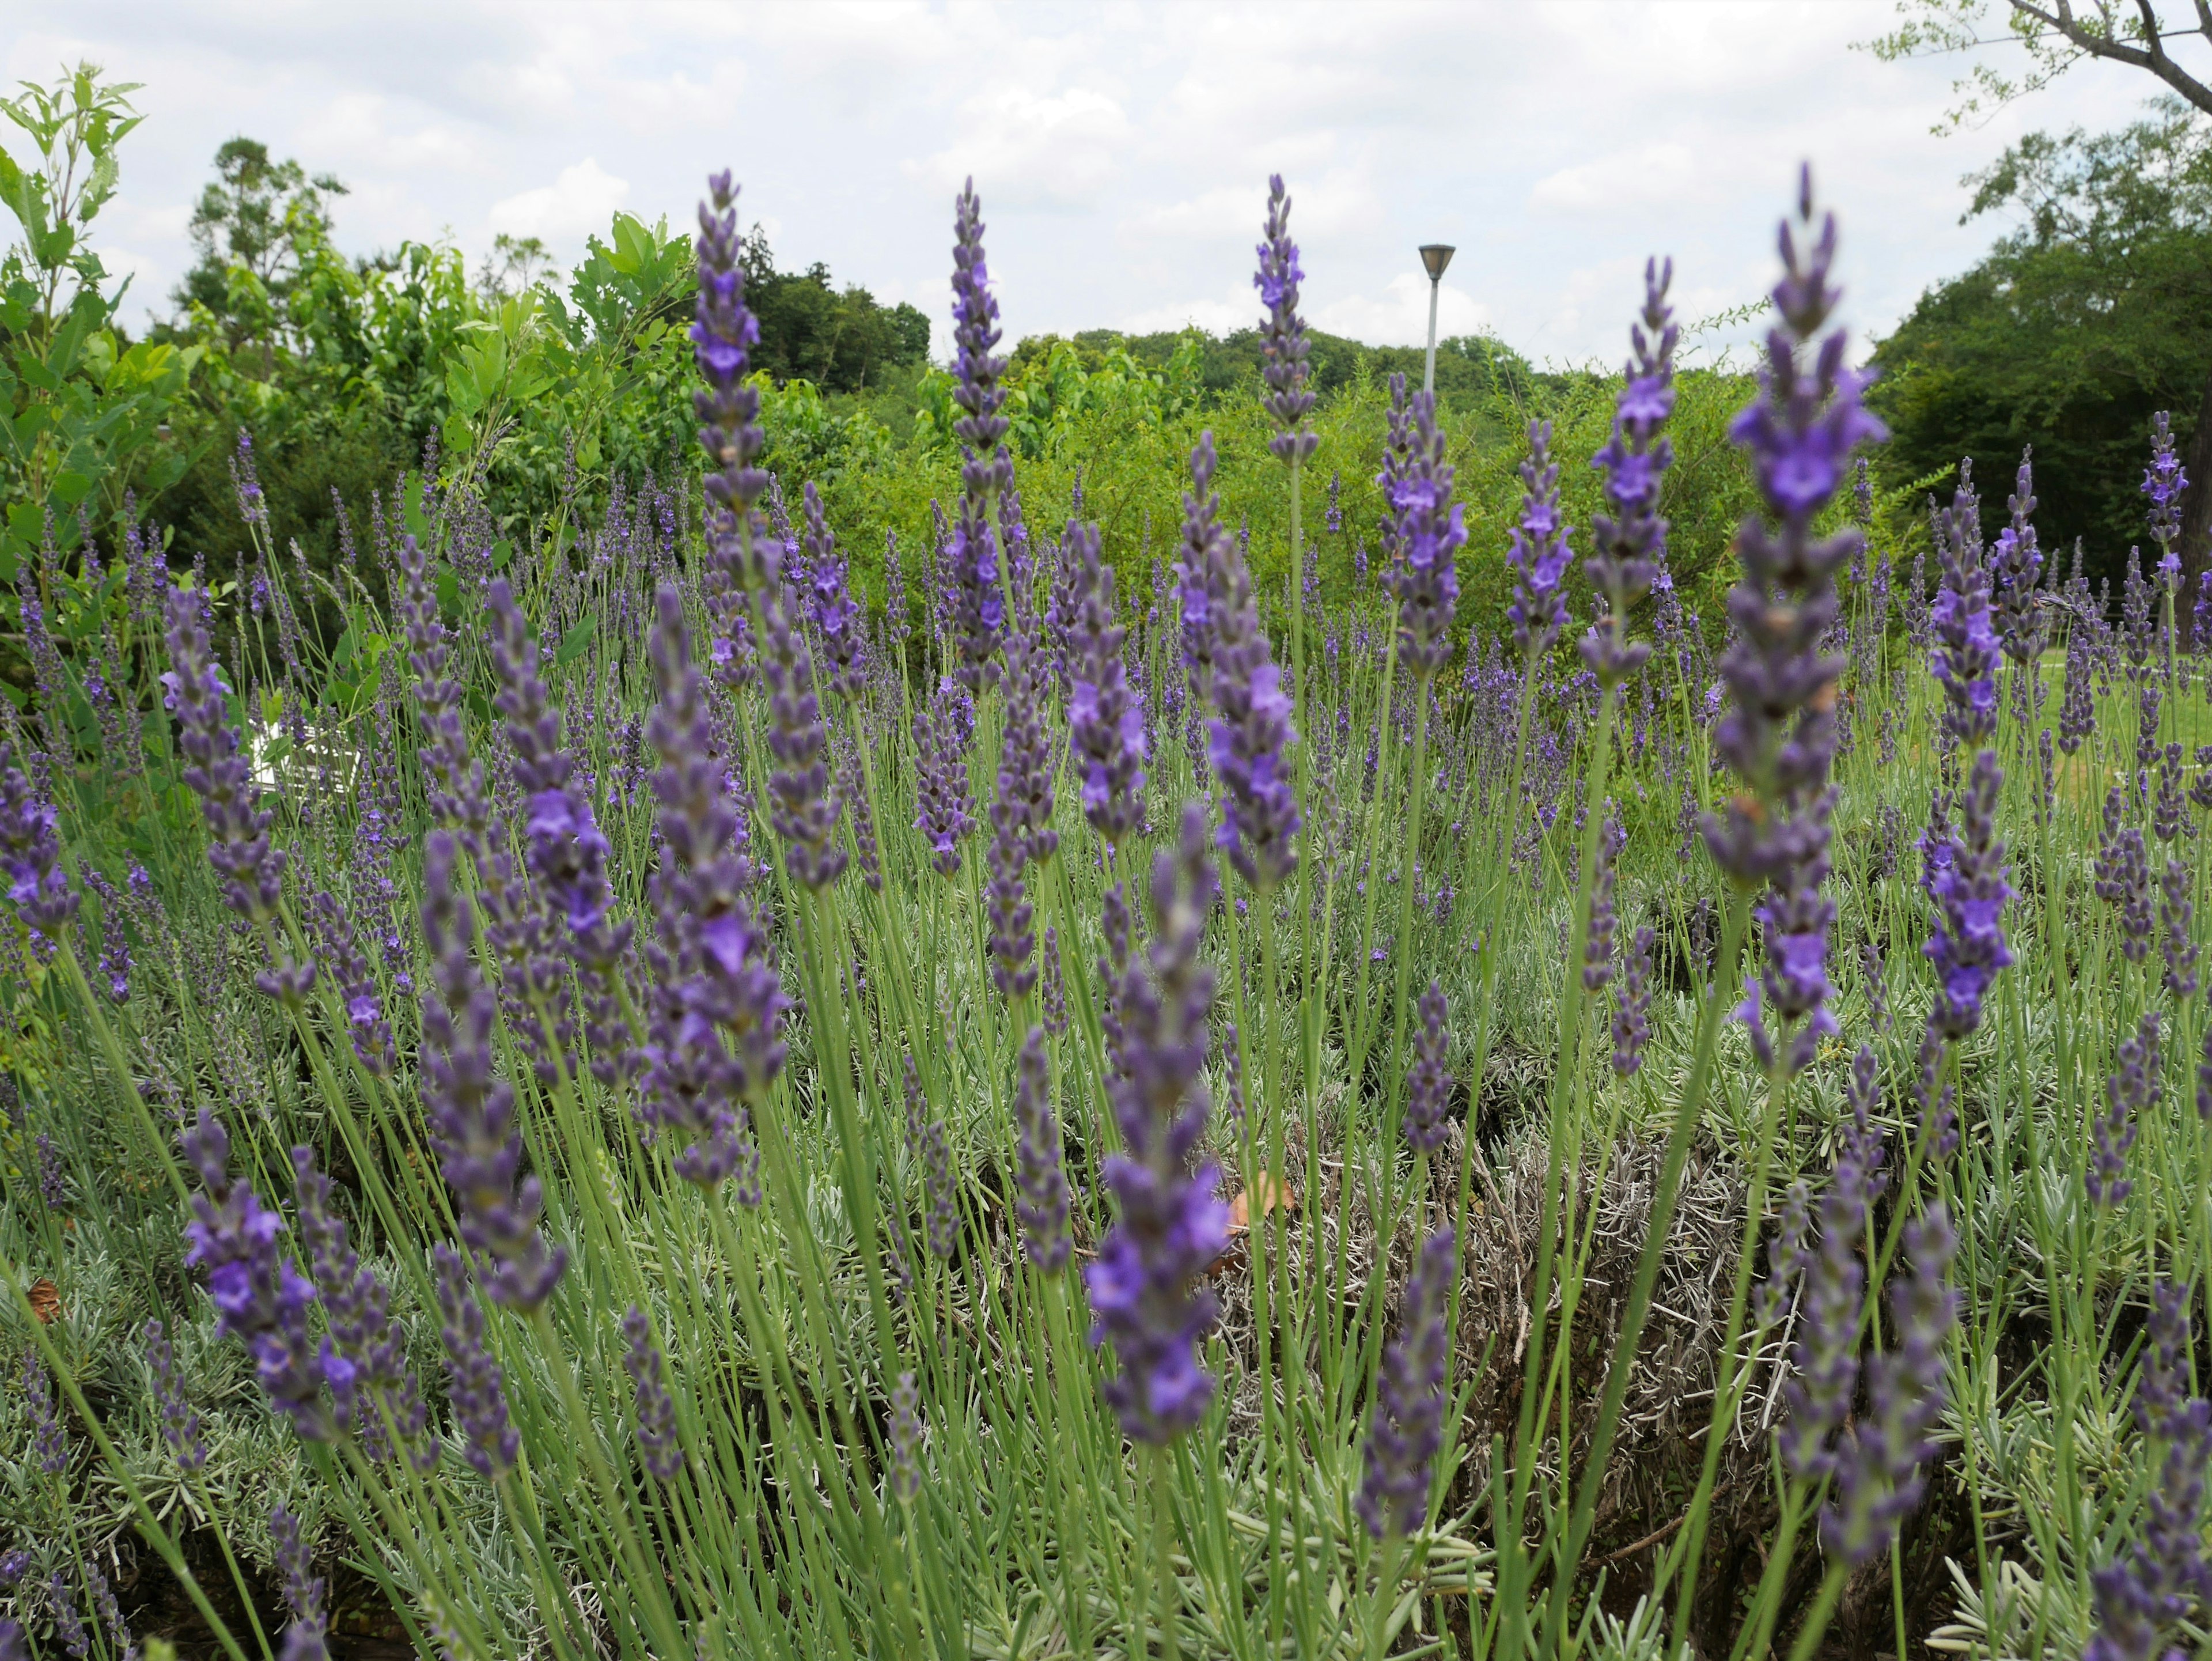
[[1435, 256]]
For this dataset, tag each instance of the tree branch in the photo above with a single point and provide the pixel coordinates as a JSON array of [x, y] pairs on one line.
[[2060, 18]]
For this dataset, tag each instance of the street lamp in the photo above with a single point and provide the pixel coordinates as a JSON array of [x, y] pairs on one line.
[[1435, 256]]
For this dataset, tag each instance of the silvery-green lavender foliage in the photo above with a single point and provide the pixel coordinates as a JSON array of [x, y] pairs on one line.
[[619, 1240]]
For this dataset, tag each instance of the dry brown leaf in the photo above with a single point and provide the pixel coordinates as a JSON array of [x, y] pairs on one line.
[[45, 1301]]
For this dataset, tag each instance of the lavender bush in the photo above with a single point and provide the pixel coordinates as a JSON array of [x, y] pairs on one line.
[[1221, 1101]]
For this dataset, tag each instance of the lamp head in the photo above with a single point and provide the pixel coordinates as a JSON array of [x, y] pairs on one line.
[[1435, 256]]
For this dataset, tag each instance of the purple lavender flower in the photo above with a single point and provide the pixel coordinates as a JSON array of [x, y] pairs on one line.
[[1878, 1469], [304, 1639], [53, 1181], [2175, 915], [1967, 945], [1824, 1362], [475, 1385], [723, 336], [69, 1625], [926, 1141], [260, 1299], [1967, 647], [357, 987], [2077, 710], [1429, 1083], [364, 1357], [1405, 1429], [1043, 1205], [48, 1443], [1013, 940], [12, 1646], [941, 797], [659, 1444], [979, 607], [1597, 946], [567, 852], [1172, 1225], [1538, 551], [1026, 760], [829, 605], [1631, 1005], [2131, 1091], [1053, 987], [1423, 578], [715, 1004], [180, 1425], [1283, 334], [2141, 1595], [1251, 725], [906, 1439], [1105, 719], [1629, 542], [469, 1108], [1779, 733], [2015, 569], [2164, 483]]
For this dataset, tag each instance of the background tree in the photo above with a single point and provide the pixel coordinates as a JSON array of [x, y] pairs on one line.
[[2093, 313], [257, 229], [2054, 36]]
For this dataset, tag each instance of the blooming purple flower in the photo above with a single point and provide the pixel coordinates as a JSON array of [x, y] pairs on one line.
[[1424, 578], [53, 1181], [364, 1357], [304, 1639], [1105, 718], [1283, 345], [1251, 725], [1405, 1428], [1043, 1205], [1967, 943], [1537, 550], [180, 1425], [941, 796], [906, 1439], [1967, 650], [1429, 1083], [1012, 940], [2164, 483], [1779, 733], [659, 1444], [475, 1385], [48, 1443], [1629, 541], [69, 1625], [2015, 569], [356, 986], [715, 1004], [1631, 1005], [926, 1141], [972, 553], [2131, 1091], [1171, 1223], [471, 1108], [2077, 710], [260, 1299], [829, 605], [2176, 913], [1053, 987]]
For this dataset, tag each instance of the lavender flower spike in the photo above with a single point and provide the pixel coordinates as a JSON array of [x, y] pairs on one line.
[[305, 1638], [470, 1109], [1878, 1478], [1406, 1427], [364, 1357], [979, 607], [31, 852], [2131, 1091], [2164, 483], [1967, 943], [1423, 578], [237, 826], [475, 1385], [180, 1425], [829, 603], [1042, 1206], [1105, 719], [1779, 735], [1630, 539], [1283, 334], [1429, 1084], [1251, 725], [1171, 1223], [1538, 549], [658, 1442], [48, 1442], [941, 800]]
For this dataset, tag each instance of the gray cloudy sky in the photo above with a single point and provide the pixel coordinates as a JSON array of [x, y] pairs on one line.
[[1122, 149]]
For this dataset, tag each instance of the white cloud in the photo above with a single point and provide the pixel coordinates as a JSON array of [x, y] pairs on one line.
[[1122, 151], [583, 199]]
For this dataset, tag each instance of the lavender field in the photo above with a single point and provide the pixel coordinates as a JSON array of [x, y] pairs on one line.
[[688, 1078]]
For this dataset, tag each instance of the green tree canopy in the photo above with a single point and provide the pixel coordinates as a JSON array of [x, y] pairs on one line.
[[2093, 312]]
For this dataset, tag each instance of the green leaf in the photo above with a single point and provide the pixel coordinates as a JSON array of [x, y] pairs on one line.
[[575, 643], [501, 552]]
